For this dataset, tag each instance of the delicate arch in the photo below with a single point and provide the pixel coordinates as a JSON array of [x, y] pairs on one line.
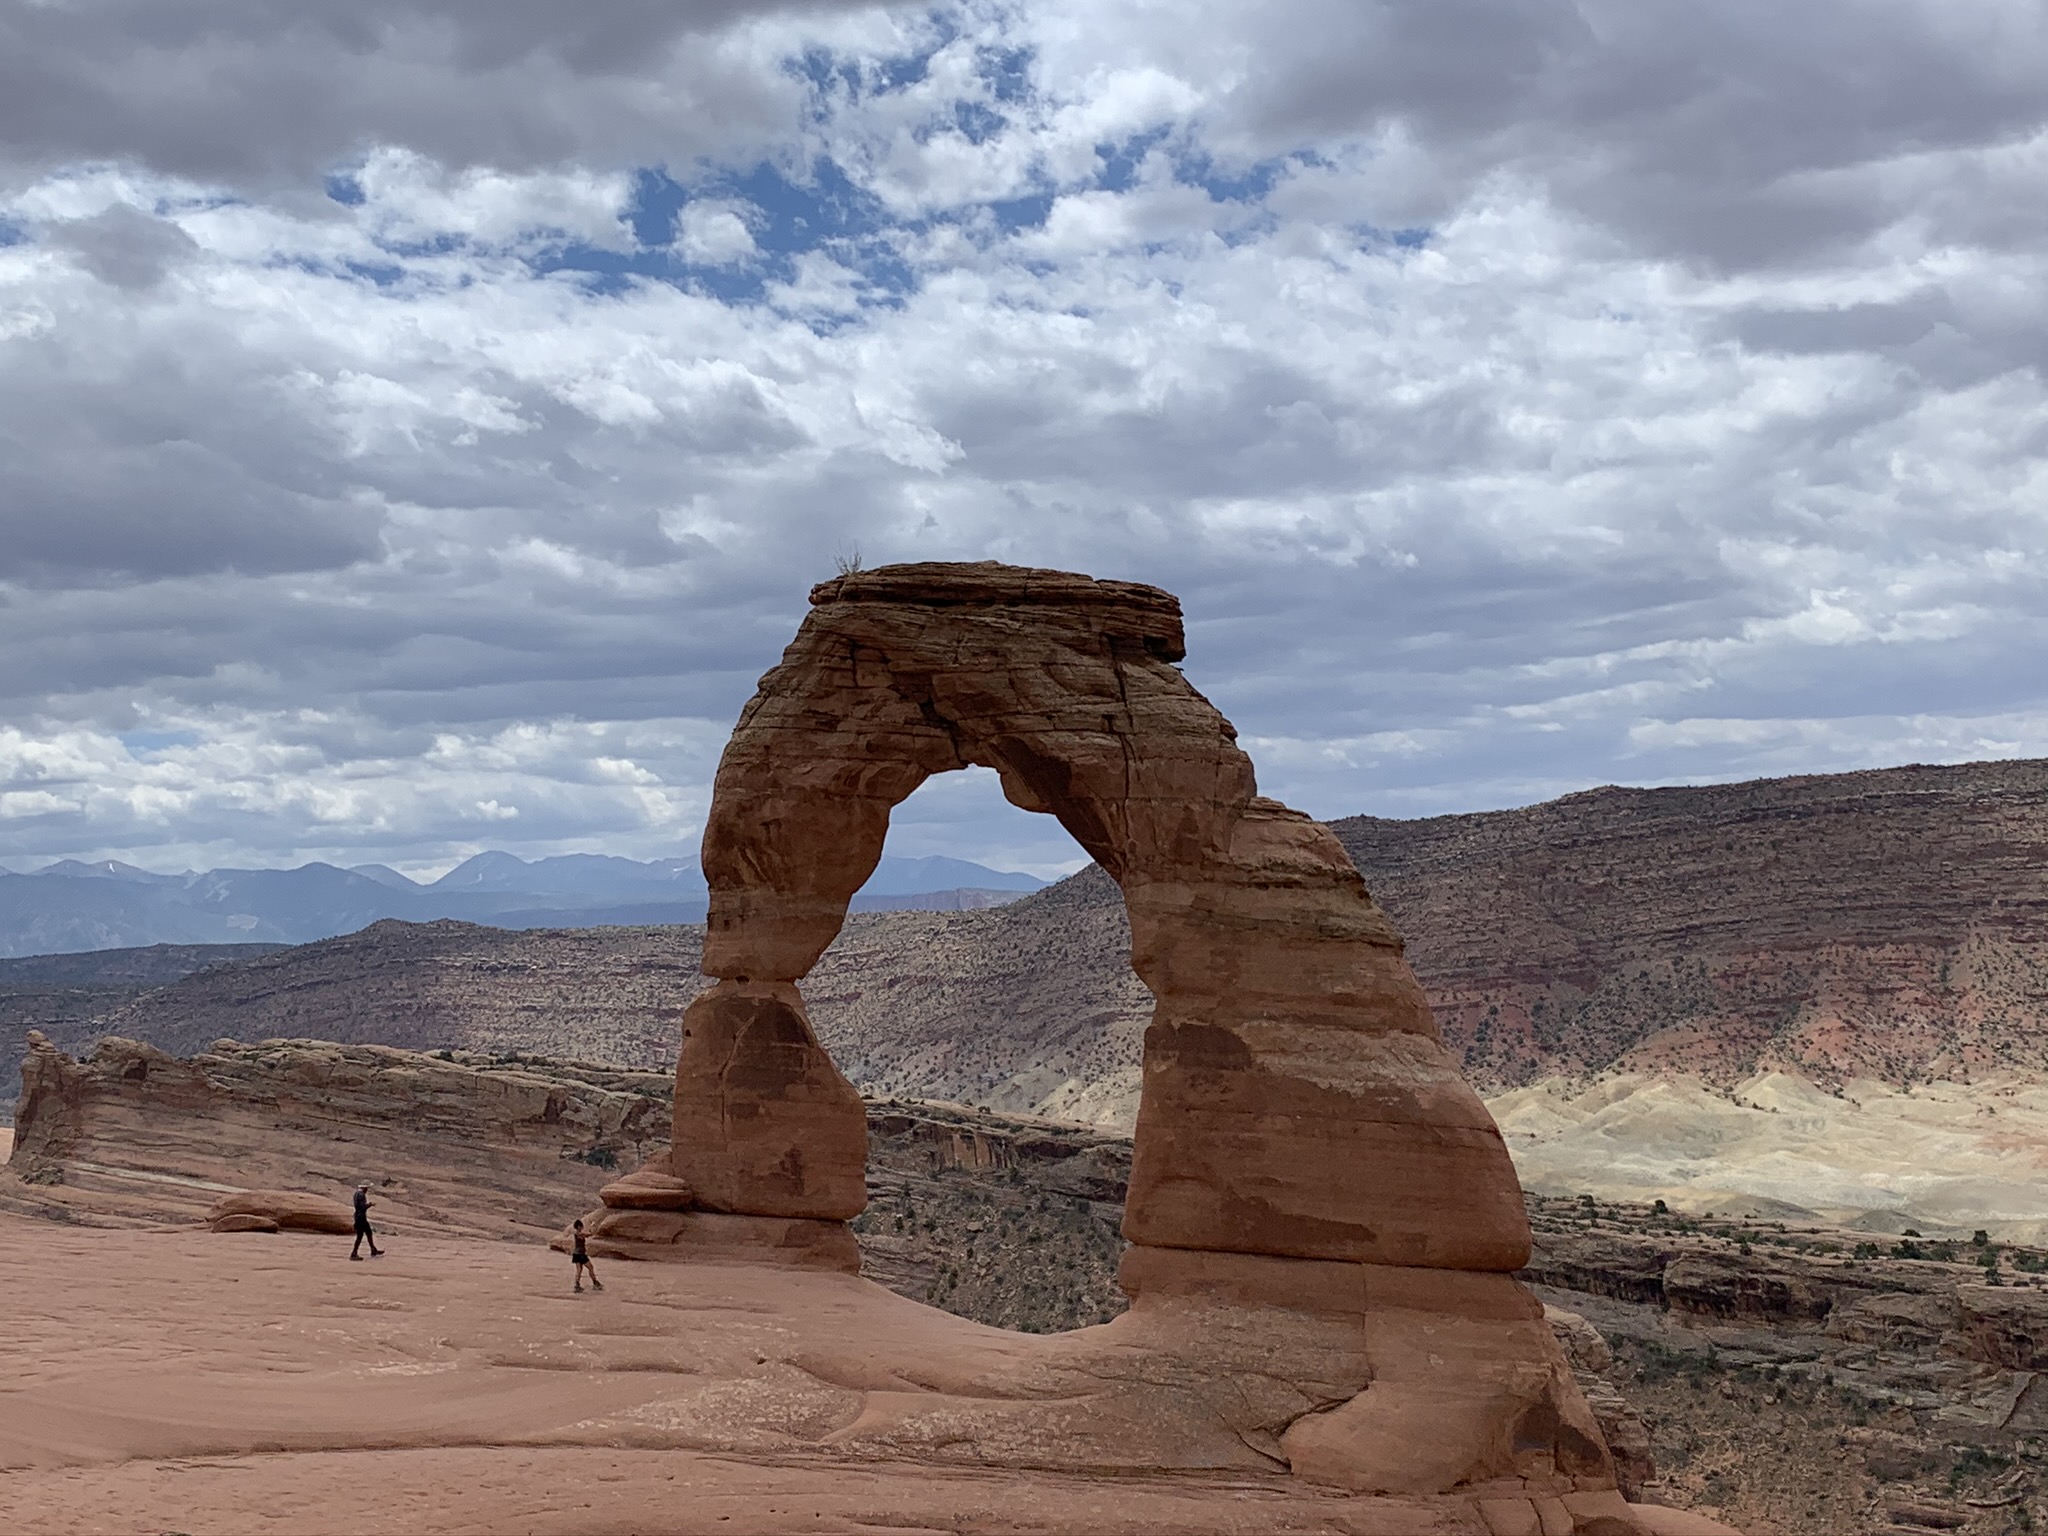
[[1296, 1098]]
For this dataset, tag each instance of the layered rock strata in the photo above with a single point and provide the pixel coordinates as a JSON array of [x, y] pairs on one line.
[[459, 1142], [1307, 1155]]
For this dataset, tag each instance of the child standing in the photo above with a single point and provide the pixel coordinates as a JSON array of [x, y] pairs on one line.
[[580, 1261]]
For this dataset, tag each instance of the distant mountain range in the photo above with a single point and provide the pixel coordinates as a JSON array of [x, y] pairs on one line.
[[1887, 926], [68, 907]]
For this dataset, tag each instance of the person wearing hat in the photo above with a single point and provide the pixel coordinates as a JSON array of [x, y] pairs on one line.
[[363, 1225]]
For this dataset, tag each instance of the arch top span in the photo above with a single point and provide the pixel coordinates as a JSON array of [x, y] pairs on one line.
[[1062, 684], [1296, 1100]]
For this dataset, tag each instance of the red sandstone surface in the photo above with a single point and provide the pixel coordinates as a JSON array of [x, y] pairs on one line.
[[188, 1381]]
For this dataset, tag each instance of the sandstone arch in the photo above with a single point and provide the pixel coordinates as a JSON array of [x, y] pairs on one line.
[[1322, 1213], [1296, 1099]]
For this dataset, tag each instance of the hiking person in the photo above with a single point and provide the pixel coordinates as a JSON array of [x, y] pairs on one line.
[[363, 1225], [580, 1261]]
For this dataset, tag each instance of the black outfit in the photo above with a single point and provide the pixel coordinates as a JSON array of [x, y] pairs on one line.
[[363, 1224]]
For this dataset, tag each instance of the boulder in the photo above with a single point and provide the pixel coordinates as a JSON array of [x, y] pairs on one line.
[[652, 1188], [237, 1221], [288, 1210], [49, 1117], [1627, 1436], [1584, 1345]]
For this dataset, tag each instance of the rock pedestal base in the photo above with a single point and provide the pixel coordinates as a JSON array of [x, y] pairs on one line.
[[765, 1124], [1436, 1378]]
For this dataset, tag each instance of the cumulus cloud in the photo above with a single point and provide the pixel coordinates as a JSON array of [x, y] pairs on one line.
[[1520, 395]]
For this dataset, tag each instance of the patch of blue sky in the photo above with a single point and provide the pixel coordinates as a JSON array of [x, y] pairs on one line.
[[796, 216], [901, 71], [1006, 72], [1013, 215], [828, 74], [977, 121], [346, 190], [383, 274], [12, 234], [788, 216], [657, 202], [141, 744], [1194, 167], [1121, 160]]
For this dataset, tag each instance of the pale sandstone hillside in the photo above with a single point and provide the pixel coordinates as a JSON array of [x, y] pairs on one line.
[[1890, 927]]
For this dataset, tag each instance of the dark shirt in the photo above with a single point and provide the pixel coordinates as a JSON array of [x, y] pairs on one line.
[[579, 1247], [362, 1208]]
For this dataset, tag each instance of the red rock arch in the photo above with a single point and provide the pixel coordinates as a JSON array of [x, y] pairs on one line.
[[1296, 1101]]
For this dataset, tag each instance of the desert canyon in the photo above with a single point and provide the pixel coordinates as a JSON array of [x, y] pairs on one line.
[[1163, 1199]]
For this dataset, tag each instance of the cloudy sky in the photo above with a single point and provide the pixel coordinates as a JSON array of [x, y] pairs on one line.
[[420, 422]]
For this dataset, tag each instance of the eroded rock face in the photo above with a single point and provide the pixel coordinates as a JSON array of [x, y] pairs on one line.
[[1309, 1165], [465, 1143]]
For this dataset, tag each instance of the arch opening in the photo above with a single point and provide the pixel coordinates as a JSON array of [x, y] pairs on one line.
[[965, 817]]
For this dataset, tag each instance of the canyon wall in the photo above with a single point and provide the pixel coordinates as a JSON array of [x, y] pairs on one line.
[[1890, 925]]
